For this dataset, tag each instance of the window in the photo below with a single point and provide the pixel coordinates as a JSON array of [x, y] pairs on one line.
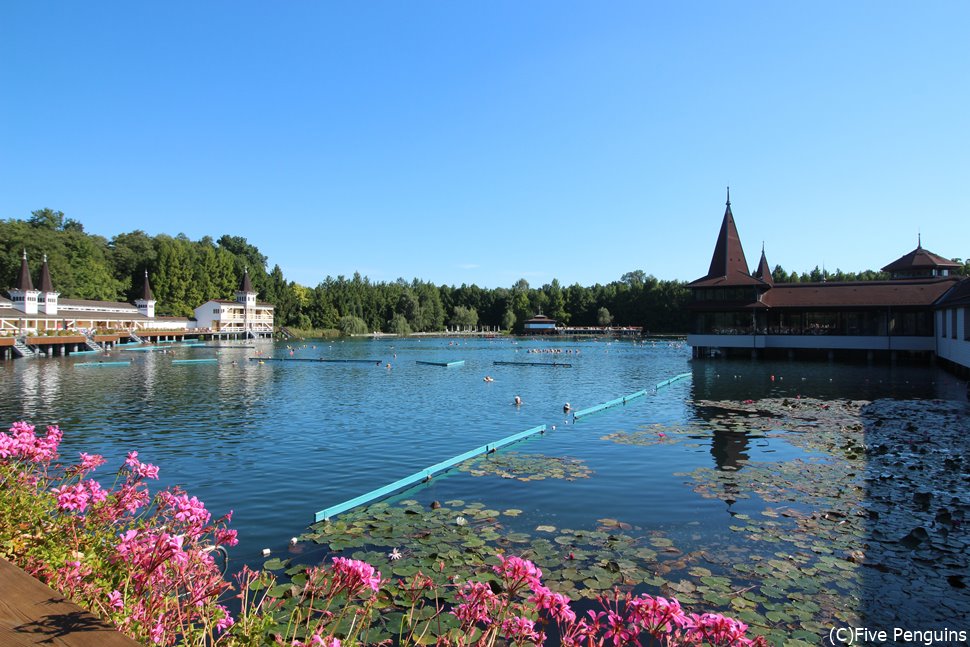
[[953, 323], [215, 311], [966, 324], [942, 323]]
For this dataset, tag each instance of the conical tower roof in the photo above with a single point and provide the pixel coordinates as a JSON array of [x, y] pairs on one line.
[[246, 285], [728, 265], [24, 284], [45, 277], [764, 271], [146, 294]]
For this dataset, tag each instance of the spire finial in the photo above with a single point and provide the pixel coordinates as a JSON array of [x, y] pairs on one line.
[[45, 258], [919, 239], [25, 253], [146, 272], [762, 247], [728, 196]]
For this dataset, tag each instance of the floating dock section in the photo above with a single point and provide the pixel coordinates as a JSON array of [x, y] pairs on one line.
[[563, 364], [675, 378], [315, 360], [423, 475], [606, 405], [626, 398], [88, 364], [194, 361], [459, 362]]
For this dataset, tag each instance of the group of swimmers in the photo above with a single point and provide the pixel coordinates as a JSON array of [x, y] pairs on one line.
[[554, 351]]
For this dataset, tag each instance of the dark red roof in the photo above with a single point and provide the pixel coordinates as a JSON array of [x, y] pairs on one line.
[[920, 259], [764, 272], [24, 284], [728, 265], [45, 277], [865, 294], [246, 285], [958, 296], [146, 294], [540, 319]]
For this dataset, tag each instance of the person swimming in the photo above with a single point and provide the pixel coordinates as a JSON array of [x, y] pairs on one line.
[[517, 401], [488, 378], [566, 408]]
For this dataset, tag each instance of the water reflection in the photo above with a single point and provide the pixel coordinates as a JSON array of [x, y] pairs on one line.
[[729, 449]]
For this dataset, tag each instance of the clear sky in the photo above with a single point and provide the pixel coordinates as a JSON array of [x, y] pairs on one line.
[[483, 142]]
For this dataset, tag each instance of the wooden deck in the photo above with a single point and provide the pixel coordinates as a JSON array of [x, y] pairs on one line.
[[31, 613]]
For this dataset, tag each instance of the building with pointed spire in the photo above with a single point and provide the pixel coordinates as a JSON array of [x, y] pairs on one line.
[[146, 304], [245, 315], [23, 297], [737, 312], [41, 312], [48, 297]]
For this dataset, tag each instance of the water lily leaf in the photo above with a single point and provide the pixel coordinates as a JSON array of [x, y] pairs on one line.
[[275, 564], [545, 529]]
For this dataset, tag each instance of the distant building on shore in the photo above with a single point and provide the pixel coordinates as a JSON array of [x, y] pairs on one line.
[[735, 311], [32, 312], [245, 314], [540, 325]]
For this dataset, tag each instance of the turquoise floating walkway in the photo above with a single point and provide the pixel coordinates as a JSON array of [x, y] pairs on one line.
[[86, 364], [563, 364], [423, 475], [315, 360], [627, 398], [195, 361], [449, 364], [607, 405], [682, 376]]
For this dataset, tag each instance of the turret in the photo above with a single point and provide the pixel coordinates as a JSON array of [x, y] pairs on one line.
[[24, 296], [146, 304]]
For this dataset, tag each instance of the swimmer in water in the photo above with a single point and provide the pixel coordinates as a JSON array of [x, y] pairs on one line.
[[517, 401], [566, 408]]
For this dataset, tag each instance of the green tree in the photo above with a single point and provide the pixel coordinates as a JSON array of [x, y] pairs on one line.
[[464, 318], [399, 326], [46, 219], [603, 317], [351, 325]]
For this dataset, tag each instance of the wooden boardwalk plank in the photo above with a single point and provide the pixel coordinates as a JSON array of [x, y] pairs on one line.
[[31, 613]]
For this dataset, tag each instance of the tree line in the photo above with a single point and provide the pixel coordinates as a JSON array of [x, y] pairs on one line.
[[186, 273]]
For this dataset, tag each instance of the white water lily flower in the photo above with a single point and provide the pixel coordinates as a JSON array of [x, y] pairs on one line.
[[394, 554], [461, 521]]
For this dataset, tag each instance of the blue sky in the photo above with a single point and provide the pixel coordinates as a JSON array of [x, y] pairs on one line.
[[463, 142]]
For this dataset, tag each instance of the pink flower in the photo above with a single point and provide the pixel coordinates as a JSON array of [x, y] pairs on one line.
[[655, 615], [717, 629], [477, 601], [143, 470], [72, 497], [556, 604], [115, 600], [225, 621], [519, 629], [226, 537], [355, 575], [91, 461], [517, 572]]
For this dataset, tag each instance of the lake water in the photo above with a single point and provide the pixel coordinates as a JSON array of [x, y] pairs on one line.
[[278, 441]]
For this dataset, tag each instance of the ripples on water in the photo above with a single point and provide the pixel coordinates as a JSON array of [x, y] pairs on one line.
[[278, 441]]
